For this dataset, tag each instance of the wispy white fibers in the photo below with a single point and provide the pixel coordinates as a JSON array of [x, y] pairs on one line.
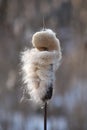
[[39, 65]]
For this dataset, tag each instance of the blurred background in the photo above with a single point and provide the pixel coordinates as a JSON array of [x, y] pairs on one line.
[[19, 20]]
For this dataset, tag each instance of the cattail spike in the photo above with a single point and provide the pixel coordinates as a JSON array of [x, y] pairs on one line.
[[44, 26]]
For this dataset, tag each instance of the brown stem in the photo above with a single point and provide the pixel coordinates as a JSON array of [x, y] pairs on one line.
[[45, 116]]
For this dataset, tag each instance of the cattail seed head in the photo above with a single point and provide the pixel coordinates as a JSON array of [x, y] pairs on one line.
[[39, 65]]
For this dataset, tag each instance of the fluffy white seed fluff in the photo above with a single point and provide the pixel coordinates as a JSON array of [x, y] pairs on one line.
[[38, 70]]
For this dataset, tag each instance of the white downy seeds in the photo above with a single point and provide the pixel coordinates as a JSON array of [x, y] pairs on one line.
[[40, 64]]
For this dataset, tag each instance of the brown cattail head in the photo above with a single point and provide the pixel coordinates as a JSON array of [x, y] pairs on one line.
[[46, 39], [39, 65]]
